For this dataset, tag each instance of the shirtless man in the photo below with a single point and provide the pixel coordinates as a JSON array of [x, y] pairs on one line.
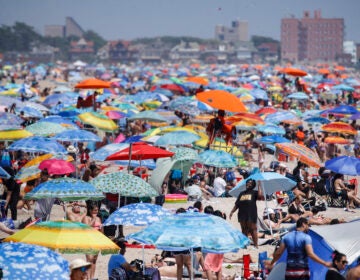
[[354, 273], [75, 214]]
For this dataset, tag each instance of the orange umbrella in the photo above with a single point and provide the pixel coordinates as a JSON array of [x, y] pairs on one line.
[[92, 83], [339, 127], [248, 117], [222, 100], [198, 80], [295, 121], [324, 71], [339, 68], [336, 140], [294, 72], [303, 153]]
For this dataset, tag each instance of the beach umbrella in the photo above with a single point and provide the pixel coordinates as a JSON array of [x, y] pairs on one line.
[[139, 151], [258, 93], [93, 83], [4, 174], [30, 112], [14, 134], [123, 184], [339, 127], [66, 237], [77, 135], [266, 111], [148, 116], [298, 95], [137, 214], [270, 129], [337, 140], [9, 118], [198, 80], [37, 144], [57, 166], [272, 139], [59, 120], [279, 116], [294, 72], [177, 138], [186, 231], [115, 115], [45, 128], [29, 173], [343, 109], [343, 87], [271, 182], [317, 120], [217, 159], [66, 189], [99, 121], [303, 153], [26, 261], [221, 99], [346, 165], [107, 150], [54, 99], [190, 109]]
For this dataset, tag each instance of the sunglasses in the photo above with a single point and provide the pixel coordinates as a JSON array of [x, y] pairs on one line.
[[344, 262], [83, 269]]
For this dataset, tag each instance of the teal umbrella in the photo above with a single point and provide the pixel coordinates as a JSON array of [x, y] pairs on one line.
[[123, 184], [45, 128], [217, 159], [177, 138], [148, 116]]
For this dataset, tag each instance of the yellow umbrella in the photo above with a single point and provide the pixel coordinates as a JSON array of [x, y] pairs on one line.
[[14, 134], [98, 120], [39, 159], [67, 237]]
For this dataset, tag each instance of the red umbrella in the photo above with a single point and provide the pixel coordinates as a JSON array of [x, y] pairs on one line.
[[173, 87], [140, 151], [57, 166], [265, 111], [294, 72]]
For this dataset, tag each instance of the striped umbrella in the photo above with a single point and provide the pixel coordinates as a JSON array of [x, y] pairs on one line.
[[38, 144], [303, 153], [339, 127], [337, 140], [217, 159], [66, 237]]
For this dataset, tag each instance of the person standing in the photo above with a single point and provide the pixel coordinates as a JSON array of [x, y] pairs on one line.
[[43, 206], [339, 263], [247, 214], [299, 248], [12, 193]]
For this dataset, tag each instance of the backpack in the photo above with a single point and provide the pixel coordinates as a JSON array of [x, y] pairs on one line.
[[176, 174]]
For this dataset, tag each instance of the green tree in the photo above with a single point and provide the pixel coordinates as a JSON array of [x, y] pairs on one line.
[[96, 38], [258, 40]]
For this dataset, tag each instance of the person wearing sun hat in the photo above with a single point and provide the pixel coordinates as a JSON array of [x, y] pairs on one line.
[[78, 269]]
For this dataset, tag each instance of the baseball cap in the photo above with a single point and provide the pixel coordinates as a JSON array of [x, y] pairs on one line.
[[268, 211], [77, 263]]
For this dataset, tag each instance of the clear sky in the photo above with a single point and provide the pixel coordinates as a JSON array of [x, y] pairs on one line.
[[129, 19]]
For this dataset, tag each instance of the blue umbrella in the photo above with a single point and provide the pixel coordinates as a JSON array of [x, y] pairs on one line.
[[259, 94], [133, 139], [77, 135], [271, 183], [279, 116], [107, 150], [31, 112], [137, 214], [54, 99], [343, 109], [186, 231], [66, 189], [149, 163], [59, 120], [271, 139], [37, 144], [344, 165], [217, 159], [177, 138], [8, 118], [317, 120], [298, 95], [27, 261], [343, 87], [270, 129]]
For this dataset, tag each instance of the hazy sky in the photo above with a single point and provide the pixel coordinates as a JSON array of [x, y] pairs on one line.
[[129, 19]]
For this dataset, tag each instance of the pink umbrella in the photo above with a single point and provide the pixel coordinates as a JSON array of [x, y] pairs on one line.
[[121, 137], [57, 166], [115, 115]]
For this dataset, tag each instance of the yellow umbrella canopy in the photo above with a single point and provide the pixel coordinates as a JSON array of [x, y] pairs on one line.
[[99, 121], [14, 134], [67, 237], [39, 159]]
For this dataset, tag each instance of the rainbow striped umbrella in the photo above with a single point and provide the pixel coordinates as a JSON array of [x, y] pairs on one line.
[[303, 153], [66, 237]]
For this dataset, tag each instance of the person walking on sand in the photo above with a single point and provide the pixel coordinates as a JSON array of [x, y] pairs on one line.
[[247, 214], [299, 247]]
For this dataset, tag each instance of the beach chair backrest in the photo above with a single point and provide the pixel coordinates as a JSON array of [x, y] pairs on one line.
[[262, 258], [246, 267]]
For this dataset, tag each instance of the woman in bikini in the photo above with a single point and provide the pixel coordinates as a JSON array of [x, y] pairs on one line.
[[92, 219]]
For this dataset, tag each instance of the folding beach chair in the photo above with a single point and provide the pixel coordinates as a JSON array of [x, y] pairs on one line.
[[262, 271]]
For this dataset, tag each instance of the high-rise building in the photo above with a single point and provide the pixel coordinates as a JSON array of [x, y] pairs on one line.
[[239, 31], [54, 31], [311, 38]]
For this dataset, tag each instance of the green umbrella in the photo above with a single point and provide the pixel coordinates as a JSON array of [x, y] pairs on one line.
[[45, 128], [124, 184]]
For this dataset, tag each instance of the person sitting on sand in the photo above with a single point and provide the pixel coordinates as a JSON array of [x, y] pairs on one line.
[[75, 214]]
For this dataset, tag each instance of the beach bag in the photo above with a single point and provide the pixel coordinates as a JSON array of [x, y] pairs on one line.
[[230, 176], [5, 159], [176, 174]]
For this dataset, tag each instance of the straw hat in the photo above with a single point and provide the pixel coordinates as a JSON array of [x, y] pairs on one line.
[[77, 263], [71, 149]]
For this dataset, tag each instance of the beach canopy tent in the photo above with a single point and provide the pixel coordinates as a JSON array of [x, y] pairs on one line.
[[342, 237]]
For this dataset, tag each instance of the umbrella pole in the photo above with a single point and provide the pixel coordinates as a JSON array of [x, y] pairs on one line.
[[130, 155], [143, 257]]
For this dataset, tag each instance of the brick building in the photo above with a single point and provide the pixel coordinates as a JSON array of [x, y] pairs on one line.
[[311, 38]]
